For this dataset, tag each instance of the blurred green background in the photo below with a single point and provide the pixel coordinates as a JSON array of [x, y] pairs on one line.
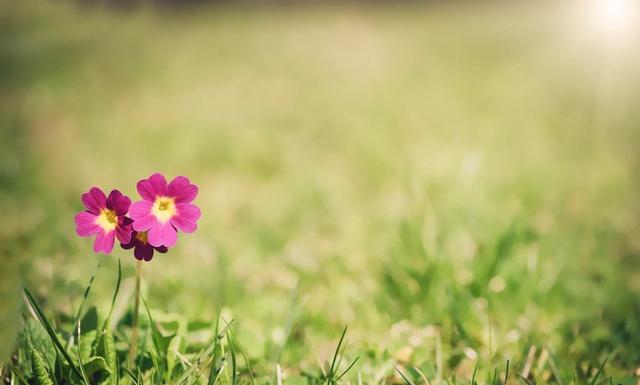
[[456, 182]]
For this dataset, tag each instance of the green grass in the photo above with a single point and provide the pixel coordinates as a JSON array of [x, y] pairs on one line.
[[456, 184]]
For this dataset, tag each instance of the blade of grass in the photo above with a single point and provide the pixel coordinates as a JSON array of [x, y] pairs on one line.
[[525, 379], [117, 373], [473, 377], [15, 371], [404, 377], [426, 380], [203, 352], [117, 290], [506, 374], [554, 369], [81, 307], [232, 351], [344, 348], [158, 357], [141, 352], [246, 362], [52, 334], [77, 322], [335, 356], [131, 375], [84, 373], [218, 360], [294, 309], [348, 368], [599, 372], [213, 374], [215, 371], [278, 374], [154, 328]]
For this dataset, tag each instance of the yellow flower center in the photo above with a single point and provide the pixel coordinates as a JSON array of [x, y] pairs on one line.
[[164, 208], [107, 220], [142, 237]]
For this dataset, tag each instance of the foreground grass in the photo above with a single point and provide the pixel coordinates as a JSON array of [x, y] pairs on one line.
[[90, 349], [447, 182]]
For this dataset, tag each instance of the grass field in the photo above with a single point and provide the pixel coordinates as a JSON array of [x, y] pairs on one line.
[[459, 184]]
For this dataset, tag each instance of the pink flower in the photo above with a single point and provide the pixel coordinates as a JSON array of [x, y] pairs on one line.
[[104, 217], [165, 209], [143, 250]]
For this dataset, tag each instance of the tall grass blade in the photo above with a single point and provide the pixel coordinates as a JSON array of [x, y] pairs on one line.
[[16, 372], [246, 362], [599, 372], [52, 334], [84, 373], [131, 375], [404, 376], [204, 352], [473, 377], [506, 374], [232, 351], [291, 317], [82, 303], [348, 368], [117, 290], [335, 357]]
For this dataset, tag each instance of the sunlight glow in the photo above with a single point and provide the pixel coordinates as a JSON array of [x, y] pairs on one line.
[[614, 12], [614, 17]]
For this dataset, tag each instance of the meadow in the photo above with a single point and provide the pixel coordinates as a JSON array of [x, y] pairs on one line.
[[457, 184]]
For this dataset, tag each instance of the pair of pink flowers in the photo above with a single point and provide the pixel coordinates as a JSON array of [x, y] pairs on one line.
[[146, 225]]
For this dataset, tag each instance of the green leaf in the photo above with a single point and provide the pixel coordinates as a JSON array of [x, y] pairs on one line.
[[86, 344], [104, 347], [39, 369], [160, 341], [97, 370]]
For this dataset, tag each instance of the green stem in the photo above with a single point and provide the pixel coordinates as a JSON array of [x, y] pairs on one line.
[[134, 322]]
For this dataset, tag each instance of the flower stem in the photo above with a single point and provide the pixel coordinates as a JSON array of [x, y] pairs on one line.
[[134, 321]]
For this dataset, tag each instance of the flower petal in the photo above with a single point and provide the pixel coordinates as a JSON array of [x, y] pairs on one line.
[[132, 242], [143, 252], [161, 249], [124, 221], [162, 234], [140, 209], [114, 195], [159, 184], [182, 190], [104, 242], [123, 233], [145, 223], [94, 200], [86, 224], [186, 217], [118, 202], [98, 196], [146, 191]]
